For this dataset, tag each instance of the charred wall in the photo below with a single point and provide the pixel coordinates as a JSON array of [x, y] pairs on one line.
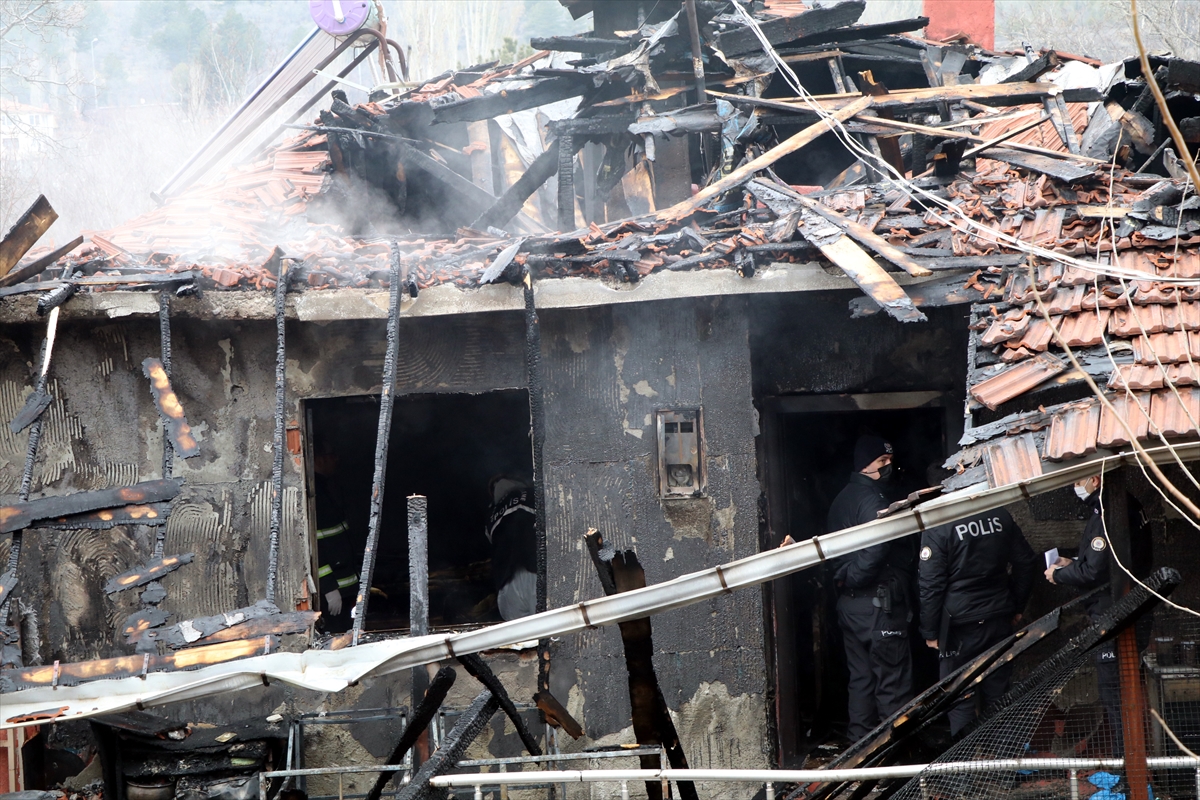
[[606, 371]]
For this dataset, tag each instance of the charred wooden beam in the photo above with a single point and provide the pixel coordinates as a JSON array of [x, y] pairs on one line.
[[469, 725], [566, 182], [537, 423], [175, 424], [489, 106], [8, 582], [142, 723], [105, 518], [128, 666], [22, 514], [25, 232], [138, 626], [418, 594], [190, 631], [499, 213], [946, 291], [152, 571], [1035, 69], [476, 200], [1068, 171], [274, 625], [422, 716], [164, 347], [556, 714], [276, 265], [581, 44], [382, 435], [56, 297], [746, 171], [35, 404], [652, 723], [39, 265], [805, 25], [480, 671]]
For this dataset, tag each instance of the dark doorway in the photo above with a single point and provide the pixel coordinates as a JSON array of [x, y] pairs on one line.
[[810, 442], [446, 447]]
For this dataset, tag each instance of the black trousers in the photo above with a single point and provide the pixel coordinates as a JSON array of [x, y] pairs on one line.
[[964, 643], [1108, 680], [879, 658]]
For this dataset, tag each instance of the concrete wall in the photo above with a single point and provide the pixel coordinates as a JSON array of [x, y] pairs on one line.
[[606, 369]]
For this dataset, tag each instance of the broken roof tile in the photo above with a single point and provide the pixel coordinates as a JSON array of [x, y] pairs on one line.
[[1015, 381], [1073, 431], [1038, 335], [1011, 460], [1111, 432]]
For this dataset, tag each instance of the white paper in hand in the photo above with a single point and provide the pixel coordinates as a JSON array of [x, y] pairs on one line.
[[1051, 557]]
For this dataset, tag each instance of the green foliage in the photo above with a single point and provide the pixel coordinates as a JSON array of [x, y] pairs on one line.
[[210, 64], [511, 51]]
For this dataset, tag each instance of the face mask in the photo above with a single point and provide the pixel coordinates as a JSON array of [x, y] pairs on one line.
[[1081, 492], [885, 472]]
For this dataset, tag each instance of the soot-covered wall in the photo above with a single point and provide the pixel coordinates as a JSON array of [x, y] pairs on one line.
[[606, 371]]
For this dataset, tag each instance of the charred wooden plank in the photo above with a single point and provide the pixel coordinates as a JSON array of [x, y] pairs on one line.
[[581, 44], [439, 687], [1069, 171], [38, 266], [56, 297], [861, 33], [499, 213], [128, 666], [805, 25], [25, 232], [557, 715], [170, 410], [138, 514], [8, 582], [138, 624], [142, 575], [142, 723], [781, 199], [1035, 69], [275, 625], [20, 515], [746, 171], [480, 671], [190, 631], [477, 200], [602, 556], [947, 291], [469, 725], [36, 403], [971, 262], [859, 267], [488, 106]]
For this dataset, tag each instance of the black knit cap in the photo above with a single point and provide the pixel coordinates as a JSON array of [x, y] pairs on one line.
[[868, 448]]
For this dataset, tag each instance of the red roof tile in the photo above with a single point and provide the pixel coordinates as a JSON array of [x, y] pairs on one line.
[[1015, 381], [1111, 432], [1171, 417], [1168, 348], [1012, 460], [1073, 431]]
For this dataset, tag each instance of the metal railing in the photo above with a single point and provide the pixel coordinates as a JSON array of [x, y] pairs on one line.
[[770, 778]]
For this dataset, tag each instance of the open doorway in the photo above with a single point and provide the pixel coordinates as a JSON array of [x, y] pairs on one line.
[[810, 441], [446, 447]]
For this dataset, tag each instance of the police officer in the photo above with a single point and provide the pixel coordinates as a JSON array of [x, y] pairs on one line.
[[975, 576], [875, 588], [1089, 570]]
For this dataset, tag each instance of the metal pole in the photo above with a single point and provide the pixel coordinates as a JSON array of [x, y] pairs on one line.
[[1074, 778], [277, 442], [382, 433]]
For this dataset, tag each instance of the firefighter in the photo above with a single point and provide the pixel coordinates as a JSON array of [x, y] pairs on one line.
[[1091, 569], [511, 532], [975, 576], [338, 553], [875, 587]]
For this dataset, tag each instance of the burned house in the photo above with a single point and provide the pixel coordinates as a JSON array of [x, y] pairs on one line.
[[662, 276]]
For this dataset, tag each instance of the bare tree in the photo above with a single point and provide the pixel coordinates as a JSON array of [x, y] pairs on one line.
[[1100, 28]]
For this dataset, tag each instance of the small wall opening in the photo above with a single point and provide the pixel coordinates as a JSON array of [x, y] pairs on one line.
[[447, 447]]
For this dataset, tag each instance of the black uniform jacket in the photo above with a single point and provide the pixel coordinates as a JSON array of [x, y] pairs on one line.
[[860, 501], [512, 533], [1090, 569], [964, 571]]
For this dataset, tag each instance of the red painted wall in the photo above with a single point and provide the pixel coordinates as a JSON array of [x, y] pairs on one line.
[[952, 18]]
